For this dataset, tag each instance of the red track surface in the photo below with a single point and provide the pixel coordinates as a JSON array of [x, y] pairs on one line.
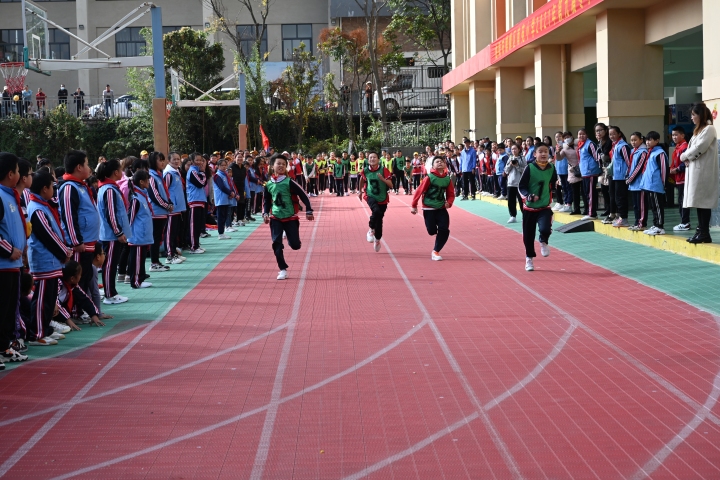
[[466, 368]]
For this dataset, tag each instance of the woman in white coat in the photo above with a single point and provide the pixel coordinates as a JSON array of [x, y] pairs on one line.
[[702, 177]]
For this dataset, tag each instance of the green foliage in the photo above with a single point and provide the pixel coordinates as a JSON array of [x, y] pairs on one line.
[[132, 135], [50, 136], [200, 63], [299, 91], [425, 22]]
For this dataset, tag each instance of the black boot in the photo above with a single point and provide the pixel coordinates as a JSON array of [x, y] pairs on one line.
[[700, 238]]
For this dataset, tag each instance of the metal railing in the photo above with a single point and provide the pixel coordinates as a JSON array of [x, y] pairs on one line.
[[417, 132], [84, 107]]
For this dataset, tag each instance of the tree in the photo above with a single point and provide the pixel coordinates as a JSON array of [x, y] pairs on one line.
[[299, 89], [426, 23]]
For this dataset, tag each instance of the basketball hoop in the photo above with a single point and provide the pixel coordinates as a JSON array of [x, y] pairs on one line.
[[14, 74]]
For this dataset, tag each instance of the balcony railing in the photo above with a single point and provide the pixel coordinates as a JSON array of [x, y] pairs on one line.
[[86, 107]]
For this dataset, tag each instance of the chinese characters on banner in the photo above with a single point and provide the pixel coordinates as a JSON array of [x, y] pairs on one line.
[[543, 20]]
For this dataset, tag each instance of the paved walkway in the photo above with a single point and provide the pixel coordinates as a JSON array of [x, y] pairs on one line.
[[602, 363]]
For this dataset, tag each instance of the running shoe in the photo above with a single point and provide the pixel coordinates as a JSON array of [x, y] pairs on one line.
[[621, 223], [205, 235], [121, 278], [529, 266], [370, 236], [231, 229], [43, 342], [59, 327], [588, 217], [19, 345], [156, 267], [683, 227], [608, 219], [174, 260], [57, 336], [282, 275], [557, 207], [512, 220], [544, 249], [145, 285], [12, 355], [222, 236], [115, 300], [654, 231], [435, 256], [376, 245], [197, 251]]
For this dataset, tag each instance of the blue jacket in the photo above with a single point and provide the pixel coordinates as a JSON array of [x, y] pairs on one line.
[[173, 181], [195, 194], [113, 214], [622, 159], [530, 155], [221, 188], [634, 185], [141, 226], [500, 164], [561, 166], [12, 229], [80, 217], [468, 159], [158, 196], [653, 178], [589, 164], [42, 256]]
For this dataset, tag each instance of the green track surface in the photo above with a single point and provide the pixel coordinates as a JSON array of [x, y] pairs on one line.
[[148, 304], [690, 280]]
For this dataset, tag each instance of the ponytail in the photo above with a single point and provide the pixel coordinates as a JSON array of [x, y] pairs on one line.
[[106, 169], [137, 177]]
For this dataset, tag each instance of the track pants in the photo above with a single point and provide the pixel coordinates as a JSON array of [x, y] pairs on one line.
[[197, 225], [136, 264], [684, 212], [532, 220], [340, 187], [468, 183], [174, 222], [513, 199], [109, 269], [222, 213], [292, 230], [42, 308], [621, 198], [640, 205], [9, 307], [437, 222], [376, 218], [657, 203], [590, 195]]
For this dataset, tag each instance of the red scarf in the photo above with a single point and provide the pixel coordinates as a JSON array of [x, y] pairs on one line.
[[580, 144], [138, 191], [70, 296], [53, 210], [612, 149], [71, 178], [102, 183]]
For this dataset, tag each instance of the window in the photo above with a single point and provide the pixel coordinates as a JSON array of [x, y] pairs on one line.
[[293, 36], [247, 35], [11, 45], [436, 72], [129, 42], [59, 44]]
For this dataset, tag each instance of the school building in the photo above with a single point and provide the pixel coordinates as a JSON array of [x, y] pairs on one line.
[[533, 67]]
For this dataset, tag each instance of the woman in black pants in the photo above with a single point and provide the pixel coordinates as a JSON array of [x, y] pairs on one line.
[[161, 208]]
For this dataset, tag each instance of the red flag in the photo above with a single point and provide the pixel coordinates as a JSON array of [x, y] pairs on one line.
[[265, 139]]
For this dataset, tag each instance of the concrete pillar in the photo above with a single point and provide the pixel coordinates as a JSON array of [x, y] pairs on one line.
[[711, 56], [575, 101], [480, 35], [516, 11], [82, 14], [629, 73], [482, 108], [459, 115], [514, 105], [548, 91], [457, 54]]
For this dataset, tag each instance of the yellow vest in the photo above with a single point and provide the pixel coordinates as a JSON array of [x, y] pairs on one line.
[[321, 166]]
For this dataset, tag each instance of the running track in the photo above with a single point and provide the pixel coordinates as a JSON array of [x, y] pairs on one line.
[[383, 365]]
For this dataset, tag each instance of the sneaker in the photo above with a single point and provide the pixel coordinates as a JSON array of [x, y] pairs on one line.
[[463, 198], [621, 223], [19, 345], [121, 278], [128, 278], [59, 327], [683, 227], [370, 236], [222, 236], [115, 300], [557, 207], [608, 220], [282, 275], [376, 245], [654, 231], [205, 235], [544, 249], [197, 251], [57, 336], [156, 267], [11, 355], [588, 217], [145, 285], [231, 229], [435, 256], [565, 209], [178, 250], [529, 266], [176, 260], [284, 235], [242, 224], [502, 197], [250, 219], [83, 320], [635, 228], [43, 342], [512, 220]]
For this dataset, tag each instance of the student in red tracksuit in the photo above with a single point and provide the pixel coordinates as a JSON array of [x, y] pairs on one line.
[[677, 170], [438, 193]]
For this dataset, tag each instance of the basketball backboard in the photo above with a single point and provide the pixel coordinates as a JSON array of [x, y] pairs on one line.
[[36, 36]]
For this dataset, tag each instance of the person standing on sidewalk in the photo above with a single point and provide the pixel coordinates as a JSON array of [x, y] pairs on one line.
[[514, 169], [468, 164]]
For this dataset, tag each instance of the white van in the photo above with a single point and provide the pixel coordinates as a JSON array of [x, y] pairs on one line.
[[413, 88]]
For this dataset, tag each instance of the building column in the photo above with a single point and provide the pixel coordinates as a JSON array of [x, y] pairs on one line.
[[482, 109], [548, 91], [514, 105], [457, 33], [711, 57], [459, 115], [82, 14], [629, 73], [575, 101]]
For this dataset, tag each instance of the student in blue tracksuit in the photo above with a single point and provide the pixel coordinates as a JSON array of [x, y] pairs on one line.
[[233, 200], [653, 181], [78, 213], [223, 195], [637, 166], [590, 170], [141, 229], [621, 155], [468, 164], [196, 198], [174, 184], [114, 226], [47, 253], [12, 243], [162, 206], [502, 159]]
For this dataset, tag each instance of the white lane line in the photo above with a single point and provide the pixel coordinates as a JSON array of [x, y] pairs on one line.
[[250, 413], [557, 348], [147, 380], [42, 431], [702, 411], [494, 434], [266, 436]]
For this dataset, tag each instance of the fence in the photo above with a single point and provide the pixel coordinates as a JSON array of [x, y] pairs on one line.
[[83, 106], [400, 134]]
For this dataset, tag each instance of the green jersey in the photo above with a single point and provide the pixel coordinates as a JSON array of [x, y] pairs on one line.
[[434, 196], [408, 171], [540, 185], [400, 162], [282, 204], [376, 188], [339, 170]]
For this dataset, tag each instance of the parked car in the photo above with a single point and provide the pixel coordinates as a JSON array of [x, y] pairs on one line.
[[412, 88], [123, 107]]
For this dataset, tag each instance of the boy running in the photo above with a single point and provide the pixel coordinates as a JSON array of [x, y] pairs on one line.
[[437, 193], [280, 207], [378, 180]]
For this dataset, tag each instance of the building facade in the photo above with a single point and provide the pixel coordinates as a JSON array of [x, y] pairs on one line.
[[534, 67]]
